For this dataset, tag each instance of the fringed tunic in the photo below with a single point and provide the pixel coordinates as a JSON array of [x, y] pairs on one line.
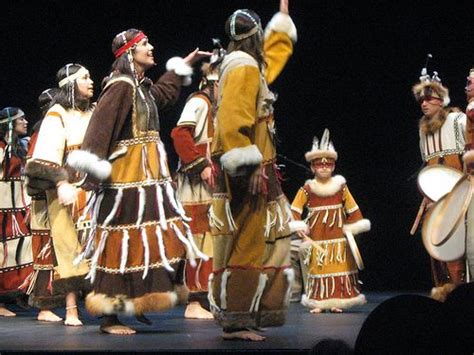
[[141, 234], [58, 231], [192, 141], [252, 274], [332, 279], [15, 237]]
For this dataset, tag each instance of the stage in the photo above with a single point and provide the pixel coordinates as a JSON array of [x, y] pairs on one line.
[[170, 332]]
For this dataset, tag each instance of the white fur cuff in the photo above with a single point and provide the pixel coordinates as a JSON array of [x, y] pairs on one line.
[[178, 65], [239, 157], [468, 157], [90, 163], [296, 226], [357, 227], [281, 22]]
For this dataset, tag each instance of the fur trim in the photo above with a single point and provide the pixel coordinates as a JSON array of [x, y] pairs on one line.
[[182, 292], [358, 227], [281, 22], [90, 163], [439, 90], [296, 226], [71, 284], [441, 293], [39, 174], [343, 303], [317, 154], [47, 302], [468, 157], [329, 188], [98, 304], [181, 68], [236, 319], [240, 157], [272, 318]]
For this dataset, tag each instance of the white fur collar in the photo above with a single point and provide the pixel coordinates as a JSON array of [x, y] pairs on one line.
[[329, 188]]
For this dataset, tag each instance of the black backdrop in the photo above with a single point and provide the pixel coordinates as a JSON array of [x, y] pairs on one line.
[[352, 72]]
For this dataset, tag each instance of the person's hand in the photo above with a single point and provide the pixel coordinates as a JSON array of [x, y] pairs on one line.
[[284, 6], [256, 181], [302, 235], [207, 176], [195, 56], [67, 193]]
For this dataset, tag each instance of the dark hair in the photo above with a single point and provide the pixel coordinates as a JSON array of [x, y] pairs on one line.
[[46, 99], [17, 148], [121, 65], [252, 45], [68, 95]]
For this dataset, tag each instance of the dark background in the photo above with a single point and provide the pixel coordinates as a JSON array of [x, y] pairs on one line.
[[352, 71]]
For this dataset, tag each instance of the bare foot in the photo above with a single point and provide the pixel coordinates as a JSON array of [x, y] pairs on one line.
[[6, 313], [336, 310], [46, 315], [243, 335], [73, 321], [316, 310], [111, 325], [72, 316], [195, 311]]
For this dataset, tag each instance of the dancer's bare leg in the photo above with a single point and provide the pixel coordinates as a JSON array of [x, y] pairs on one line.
[[336, 310], [72, 316], [46, 315], [4, 312], [316, 310], [194, 310], [111, 325]]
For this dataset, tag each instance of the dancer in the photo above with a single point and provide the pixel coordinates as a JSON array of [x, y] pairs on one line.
[[330, 270], [141, 236], [15, 246], [192, 141], [250, 215], [468, 159], [56, 280], [442, 141]]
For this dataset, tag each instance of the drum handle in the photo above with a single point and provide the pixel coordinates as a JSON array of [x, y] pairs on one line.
[[419, 215]]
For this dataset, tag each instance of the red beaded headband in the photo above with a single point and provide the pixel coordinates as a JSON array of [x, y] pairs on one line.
[[129, 44]]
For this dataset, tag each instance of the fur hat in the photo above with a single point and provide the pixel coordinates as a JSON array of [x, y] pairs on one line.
[[323, 149], [430, 86]]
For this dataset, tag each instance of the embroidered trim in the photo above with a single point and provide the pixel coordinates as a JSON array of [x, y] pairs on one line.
[[323, 208], [335, 274], [353, 209], [16, 267], [330, 241], [43, 267], [136, 226], [151, 137], [125, 185], [136, 268]]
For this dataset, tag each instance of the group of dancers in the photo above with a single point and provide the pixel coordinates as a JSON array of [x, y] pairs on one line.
[[89, 208]]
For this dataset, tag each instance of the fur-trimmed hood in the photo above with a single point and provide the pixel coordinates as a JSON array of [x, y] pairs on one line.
[[329, 188]]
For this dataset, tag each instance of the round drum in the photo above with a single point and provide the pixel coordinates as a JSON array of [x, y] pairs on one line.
[[444, 230], [435, 181]]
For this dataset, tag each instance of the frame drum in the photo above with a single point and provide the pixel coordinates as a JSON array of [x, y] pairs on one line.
[[444, 229], [435, 181]]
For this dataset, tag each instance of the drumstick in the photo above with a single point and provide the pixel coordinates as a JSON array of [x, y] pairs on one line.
[[418, 216]]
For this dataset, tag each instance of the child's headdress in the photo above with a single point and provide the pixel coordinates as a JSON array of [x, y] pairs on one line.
[[321, 149]]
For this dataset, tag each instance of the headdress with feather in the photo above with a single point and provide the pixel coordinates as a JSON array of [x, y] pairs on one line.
[[323, 149], [430, 86]]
